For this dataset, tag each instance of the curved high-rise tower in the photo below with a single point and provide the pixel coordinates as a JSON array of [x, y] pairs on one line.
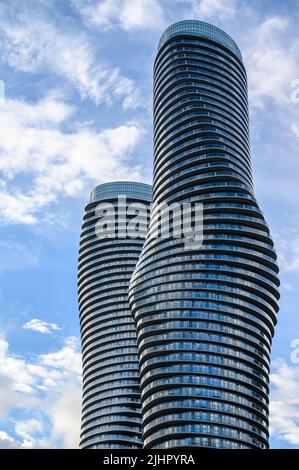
[[108, 254], [205, 317]]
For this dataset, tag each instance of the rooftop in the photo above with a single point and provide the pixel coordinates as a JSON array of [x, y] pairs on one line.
[[201, 30], [130, 189]]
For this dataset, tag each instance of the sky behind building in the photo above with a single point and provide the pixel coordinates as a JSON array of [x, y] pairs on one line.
[[77, 112]]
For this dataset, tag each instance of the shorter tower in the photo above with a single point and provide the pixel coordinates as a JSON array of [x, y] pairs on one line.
[[111, 411]]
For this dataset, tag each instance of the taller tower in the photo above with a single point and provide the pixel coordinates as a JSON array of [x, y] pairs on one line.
[[205, 318], [111, 411]]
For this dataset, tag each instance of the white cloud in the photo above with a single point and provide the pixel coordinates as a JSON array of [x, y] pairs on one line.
[[272, 61], [284, 402], [66, 416], [13, 372], [125, 14], [66, 358], [41, 326], [41, 388], [7, 441], [32, 42], [5, 436], [26, 430], [214, 9], [40, 161]]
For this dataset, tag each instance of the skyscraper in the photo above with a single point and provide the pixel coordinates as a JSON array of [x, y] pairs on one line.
[[205, 318], [111, 386]]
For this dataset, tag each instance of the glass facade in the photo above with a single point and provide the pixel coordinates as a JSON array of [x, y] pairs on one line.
[[202, 30], [111, 412], [205, 318], [133, 191]]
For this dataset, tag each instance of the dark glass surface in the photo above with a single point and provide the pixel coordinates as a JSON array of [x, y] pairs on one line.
[[111, 408]]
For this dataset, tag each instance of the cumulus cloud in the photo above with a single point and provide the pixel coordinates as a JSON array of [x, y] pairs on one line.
[[31, 42], [284, 402], [66, 358], [41, 161], [27, 430], [124, 14], [7, 441], [40, 390], [272, 61], [41, 326], [66, 416]]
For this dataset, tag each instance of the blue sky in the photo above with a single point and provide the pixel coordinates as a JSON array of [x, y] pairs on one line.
[[77, 77]]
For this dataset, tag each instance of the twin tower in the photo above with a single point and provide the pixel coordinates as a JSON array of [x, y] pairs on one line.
[[176, 338]]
